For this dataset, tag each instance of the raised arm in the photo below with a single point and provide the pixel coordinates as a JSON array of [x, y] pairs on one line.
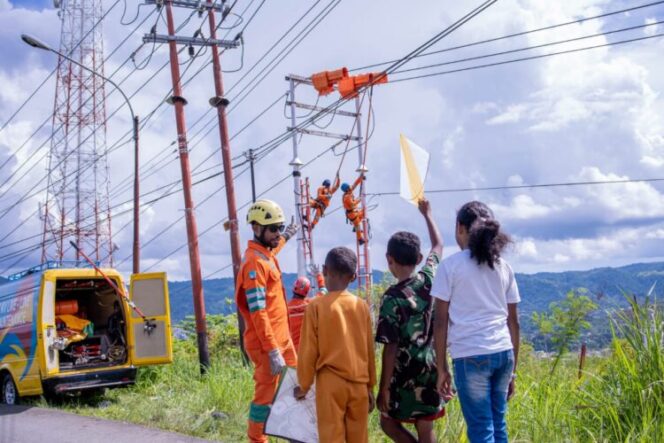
[[434, 233], [357, 182], [335, 185]]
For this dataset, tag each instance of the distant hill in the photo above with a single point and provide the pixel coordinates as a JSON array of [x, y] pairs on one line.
[[538, 291]]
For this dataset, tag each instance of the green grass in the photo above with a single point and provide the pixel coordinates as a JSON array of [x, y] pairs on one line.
[[619, 398]]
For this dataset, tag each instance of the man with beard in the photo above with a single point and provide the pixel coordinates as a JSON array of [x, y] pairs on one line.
[[261, 300]]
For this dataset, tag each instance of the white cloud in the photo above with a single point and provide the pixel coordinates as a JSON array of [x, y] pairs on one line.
[[652, 29]]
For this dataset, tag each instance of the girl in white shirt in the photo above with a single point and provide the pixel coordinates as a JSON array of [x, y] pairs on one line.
[[476, 316]]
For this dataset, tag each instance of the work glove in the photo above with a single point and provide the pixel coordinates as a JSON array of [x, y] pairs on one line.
[[314, 269], [277, 362], [290, 229]]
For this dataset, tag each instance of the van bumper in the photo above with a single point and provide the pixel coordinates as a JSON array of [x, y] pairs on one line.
[[103, 379]]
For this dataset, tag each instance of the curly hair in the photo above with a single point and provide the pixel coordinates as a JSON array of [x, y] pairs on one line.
[[341, 261], [486, 240], [404, 248]]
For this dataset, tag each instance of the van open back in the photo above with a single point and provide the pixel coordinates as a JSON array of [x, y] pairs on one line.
[[68, 329], [90, 323]]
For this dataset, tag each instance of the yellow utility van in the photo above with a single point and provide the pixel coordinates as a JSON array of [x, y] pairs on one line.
[[64, 330]]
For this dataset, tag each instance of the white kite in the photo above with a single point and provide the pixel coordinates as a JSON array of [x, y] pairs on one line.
[[414, 168]]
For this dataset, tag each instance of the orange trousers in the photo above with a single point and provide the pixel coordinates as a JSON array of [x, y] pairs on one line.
[[356, 218], [265, 387], [342, 409], [320, 210]]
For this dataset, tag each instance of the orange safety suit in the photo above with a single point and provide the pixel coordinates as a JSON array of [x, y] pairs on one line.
[[322, 200], [354, 213], [296, 308], [337, 350], [261, 300]]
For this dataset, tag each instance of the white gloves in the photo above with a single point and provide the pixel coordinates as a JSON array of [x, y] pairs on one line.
[[277, 362]]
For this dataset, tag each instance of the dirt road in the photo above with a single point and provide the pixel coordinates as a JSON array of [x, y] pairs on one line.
[[24, 424]]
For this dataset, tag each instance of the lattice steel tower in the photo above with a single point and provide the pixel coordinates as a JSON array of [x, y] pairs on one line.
[[77, 204]]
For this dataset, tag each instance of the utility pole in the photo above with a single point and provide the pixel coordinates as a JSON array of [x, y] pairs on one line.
[[251, 157], [136, 255], [220, 102], [364, 276], [178, 101], [296, 163]]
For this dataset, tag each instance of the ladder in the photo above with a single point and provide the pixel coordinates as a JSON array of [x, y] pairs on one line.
[[364, 275], [305, 215]]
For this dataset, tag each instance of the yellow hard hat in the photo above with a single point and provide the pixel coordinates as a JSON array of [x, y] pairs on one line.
[[265, 212]]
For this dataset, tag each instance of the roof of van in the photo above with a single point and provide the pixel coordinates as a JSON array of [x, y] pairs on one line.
[[69, 268]]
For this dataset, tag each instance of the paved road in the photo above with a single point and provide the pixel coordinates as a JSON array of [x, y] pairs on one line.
[[24, 424]]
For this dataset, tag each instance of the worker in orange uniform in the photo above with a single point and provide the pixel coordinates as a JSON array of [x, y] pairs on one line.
[[337, 350], [261, 300], [354, 213], [323, 198], [299, 303]]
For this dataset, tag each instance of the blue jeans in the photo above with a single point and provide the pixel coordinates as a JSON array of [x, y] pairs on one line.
[[481, 382]]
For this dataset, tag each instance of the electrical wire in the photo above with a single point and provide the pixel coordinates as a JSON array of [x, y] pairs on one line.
[[534, 57], [421, 48], [534, 186], [519, 34], [529, 48], [27, 100]]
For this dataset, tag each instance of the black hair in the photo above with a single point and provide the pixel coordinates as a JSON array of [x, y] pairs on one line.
[[341, 261], [486, 241], [404, 248]]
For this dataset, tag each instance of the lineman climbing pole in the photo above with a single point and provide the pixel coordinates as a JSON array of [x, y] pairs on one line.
[[305, 238], [178, 101], [324, 82]]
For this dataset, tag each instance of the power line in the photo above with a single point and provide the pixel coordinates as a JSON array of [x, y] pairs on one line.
[[25, 102], [535, 186], [418, 50], [534, 57], [528, 48], [114, 146], [518, 34], [26, 161]]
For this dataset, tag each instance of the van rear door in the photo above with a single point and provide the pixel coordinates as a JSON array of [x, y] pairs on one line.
[[150, 293]]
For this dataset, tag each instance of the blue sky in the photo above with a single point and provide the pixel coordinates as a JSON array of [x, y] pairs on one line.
[[590, 116], [32, 4]]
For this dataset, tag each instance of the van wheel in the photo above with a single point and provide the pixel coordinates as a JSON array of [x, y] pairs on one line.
[[8, 389]]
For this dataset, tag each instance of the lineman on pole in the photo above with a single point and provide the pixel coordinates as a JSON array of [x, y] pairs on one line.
[[261, 300]]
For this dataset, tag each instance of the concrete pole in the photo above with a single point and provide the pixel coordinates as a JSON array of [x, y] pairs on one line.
[[296, 163]]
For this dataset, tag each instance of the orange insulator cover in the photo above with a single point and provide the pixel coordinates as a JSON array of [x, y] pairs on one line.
[[349, 86], [66, 307], [324, 81]]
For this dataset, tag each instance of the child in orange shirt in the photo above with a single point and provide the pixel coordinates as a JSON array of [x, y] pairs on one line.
[[337, 349]]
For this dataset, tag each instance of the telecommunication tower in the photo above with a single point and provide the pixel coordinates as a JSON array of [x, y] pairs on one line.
[[77, 203]]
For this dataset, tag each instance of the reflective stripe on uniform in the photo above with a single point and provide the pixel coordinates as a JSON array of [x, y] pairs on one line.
[[258, 413], [256, 299]]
